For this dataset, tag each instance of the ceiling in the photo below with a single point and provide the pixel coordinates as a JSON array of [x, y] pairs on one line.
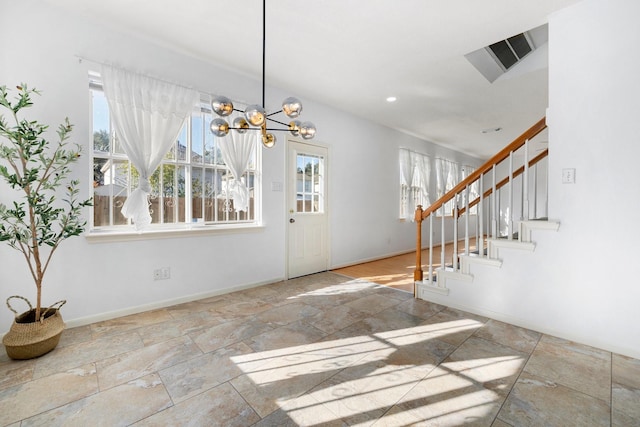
[[353, 54]]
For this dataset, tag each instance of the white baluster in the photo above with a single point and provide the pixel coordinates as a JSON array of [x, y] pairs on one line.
[[510, 190], [494, 204], [455, 234], [525, 182], [442, 242], [431, 232], [535, 191], [466, 220], [480, 241]]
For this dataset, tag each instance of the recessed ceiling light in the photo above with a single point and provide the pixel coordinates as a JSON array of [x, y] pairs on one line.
[[391, 99], [491, 130]]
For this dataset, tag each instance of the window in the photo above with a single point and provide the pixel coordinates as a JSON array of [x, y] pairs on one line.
[[415, 175], [192, 184], [309, 184]]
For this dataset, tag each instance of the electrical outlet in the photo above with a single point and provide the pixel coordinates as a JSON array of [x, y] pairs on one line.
[[163, 273]]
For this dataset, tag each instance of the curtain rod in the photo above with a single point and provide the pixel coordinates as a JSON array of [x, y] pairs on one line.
[[436, 157], [415, 151], [83, 58]]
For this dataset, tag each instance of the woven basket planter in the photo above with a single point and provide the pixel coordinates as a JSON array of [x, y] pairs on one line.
[[29, 338]]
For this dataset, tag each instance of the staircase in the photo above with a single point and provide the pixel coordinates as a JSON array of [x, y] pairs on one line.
[[509, 209]]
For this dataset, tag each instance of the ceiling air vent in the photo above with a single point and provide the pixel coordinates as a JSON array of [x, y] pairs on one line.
[[496, 59], [508, 52]]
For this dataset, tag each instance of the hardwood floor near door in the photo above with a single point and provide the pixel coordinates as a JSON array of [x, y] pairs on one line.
[[397, 271]]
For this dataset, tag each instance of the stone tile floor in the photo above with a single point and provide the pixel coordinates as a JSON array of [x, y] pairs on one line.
[[321, 350]]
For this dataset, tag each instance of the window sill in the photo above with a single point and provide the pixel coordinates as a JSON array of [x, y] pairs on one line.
[[128, 235]]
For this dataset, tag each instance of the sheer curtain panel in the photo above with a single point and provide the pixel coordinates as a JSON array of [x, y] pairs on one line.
[[447, 177], [423, 164], [473, 188], [442, 173], [147, 115], [407, 168], [237, 152]]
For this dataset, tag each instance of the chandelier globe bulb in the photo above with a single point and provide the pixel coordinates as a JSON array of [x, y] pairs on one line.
[[222, 105], [292, 107], [268, 140], [294, 127], [307, 130], [240, 125], [219, 127], [255, 115]]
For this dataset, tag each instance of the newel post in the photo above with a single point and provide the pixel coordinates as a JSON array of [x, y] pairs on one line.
[[417, 274]]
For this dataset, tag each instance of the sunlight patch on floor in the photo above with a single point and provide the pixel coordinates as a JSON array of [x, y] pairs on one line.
[[345, 379]]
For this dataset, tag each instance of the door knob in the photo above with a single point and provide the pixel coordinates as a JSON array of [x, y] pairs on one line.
[[291, 220]]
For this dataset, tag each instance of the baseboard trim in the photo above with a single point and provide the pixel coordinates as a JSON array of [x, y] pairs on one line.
[[429, 288], [517, 321], [82, 321], [365, 260]]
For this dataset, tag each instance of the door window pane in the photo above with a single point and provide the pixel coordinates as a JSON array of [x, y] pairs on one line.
[[309, 184]]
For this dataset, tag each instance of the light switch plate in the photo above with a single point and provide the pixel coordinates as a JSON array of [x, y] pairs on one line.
[[568, 176]]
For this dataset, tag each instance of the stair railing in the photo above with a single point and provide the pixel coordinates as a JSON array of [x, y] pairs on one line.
[[487, 203]]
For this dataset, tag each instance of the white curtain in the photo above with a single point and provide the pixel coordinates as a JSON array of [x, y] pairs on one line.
[[442, 174], [237, 152], [473, 188], [454, 175], [407, 168], [147, 115], [423, 165], [415, 177], [447, 176], [474, 191]]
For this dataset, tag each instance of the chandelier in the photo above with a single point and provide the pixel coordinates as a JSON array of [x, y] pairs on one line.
[[255, 117]]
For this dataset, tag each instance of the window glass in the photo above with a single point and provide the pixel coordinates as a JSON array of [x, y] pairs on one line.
[[310, 183], [101, 129]]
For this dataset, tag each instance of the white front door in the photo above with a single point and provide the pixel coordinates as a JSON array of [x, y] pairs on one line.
[[307, 209]]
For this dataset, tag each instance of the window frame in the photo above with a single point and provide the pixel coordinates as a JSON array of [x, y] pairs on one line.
[[185, 221]]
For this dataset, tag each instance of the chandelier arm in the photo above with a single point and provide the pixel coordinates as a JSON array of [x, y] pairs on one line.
[[279, 130], [275, 121], [258, 129], [273, 114]]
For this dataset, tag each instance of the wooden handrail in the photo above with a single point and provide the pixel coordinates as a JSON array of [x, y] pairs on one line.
[[505, 181], [500, 156]]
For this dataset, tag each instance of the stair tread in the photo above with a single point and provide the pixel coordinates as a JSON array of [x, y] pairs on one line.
[[477, 252]]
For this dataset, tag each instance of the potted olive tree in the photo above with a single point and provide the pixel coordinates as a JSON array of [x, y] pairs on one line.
[[35, 221]]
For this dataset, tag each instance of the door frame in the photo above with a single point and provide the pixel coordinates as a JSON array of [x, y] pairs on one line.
[[288, 182]]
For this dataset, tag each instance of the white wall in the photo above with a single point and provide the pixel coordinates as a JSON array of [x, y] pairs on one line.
[[581, 283], [104, 279]]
